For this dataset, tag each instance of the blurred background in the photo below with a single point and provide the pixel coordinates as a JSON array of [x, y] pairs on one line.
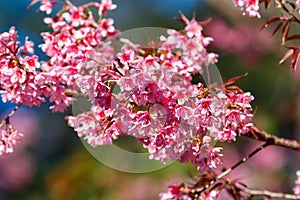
[[52, 163]]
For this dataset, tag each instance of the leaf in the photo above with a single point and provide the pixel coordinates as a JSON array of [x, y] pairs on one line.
[[241, 183], [295, 58], [278, 27], [293, 37], [234, 88], [295, 53], [287, 55], [205, 179], [266, 197], [267, 3], [270, 21], [234, 79], [4, 55], [254, 134], [205, 22], [285, 32], [234, 192], [24, 53], [218, 186], [182, 18], [296, 65], [292, 4], [255, 129], [32, 3]]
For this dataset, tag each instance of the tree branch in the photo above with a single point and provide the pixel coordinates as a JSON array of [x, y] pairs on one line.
[[268, 193], [226, 172], [6, 120], [257, 134], [74, 93]]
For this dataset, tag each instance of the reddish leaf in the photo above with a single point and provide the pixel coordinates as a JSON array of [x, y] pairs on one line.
[[267, 3], [234, 79], [285, 32], [182, 18], [292, 4], [205, 179], [293, 37], [241, 184], [270, 21], [4, 55], [287, 55], [294, 52], [23, 53], [279, 26], [297, 63], [295, 58], [32, 3], [256, 132], [204, 23], [234, 88], [255, 129], [234, 192]]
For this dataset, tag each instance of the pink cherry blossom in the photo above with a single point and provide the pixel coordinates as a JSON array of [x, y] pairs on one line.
[[75, 35], [193, 29], [211, 195], [18, 72], [174, 192], [74, 16], [46, 6], [251, 7], [104, 6], [182, 192], [9, 138], [146, 91], [158, 104], [297, 184], [106, 27], [126, 56], [156, 101]]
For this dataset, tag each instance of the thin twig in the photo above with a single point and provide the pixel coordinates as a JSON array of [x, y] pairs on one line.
[[6, 120], [128, 42], [257, 134], [74, 93], [68, 2], [226, 172], [267, 193]]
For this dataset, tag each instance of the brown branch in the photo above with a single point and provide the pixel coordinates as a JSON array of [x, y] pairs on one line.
[[68, 2], [74, 93], [267, 193], [284, 7], [6, 120], [257, 134], [226, 172]]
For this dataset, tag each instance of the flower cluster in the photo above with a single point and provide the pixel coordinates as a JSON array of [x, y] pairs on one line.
[[150, 94], [187, 193], [250, 7], [297, 184], [9, 138], [75, 34], [297, 3], [174, 192], [19, 71], [24, 80]]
